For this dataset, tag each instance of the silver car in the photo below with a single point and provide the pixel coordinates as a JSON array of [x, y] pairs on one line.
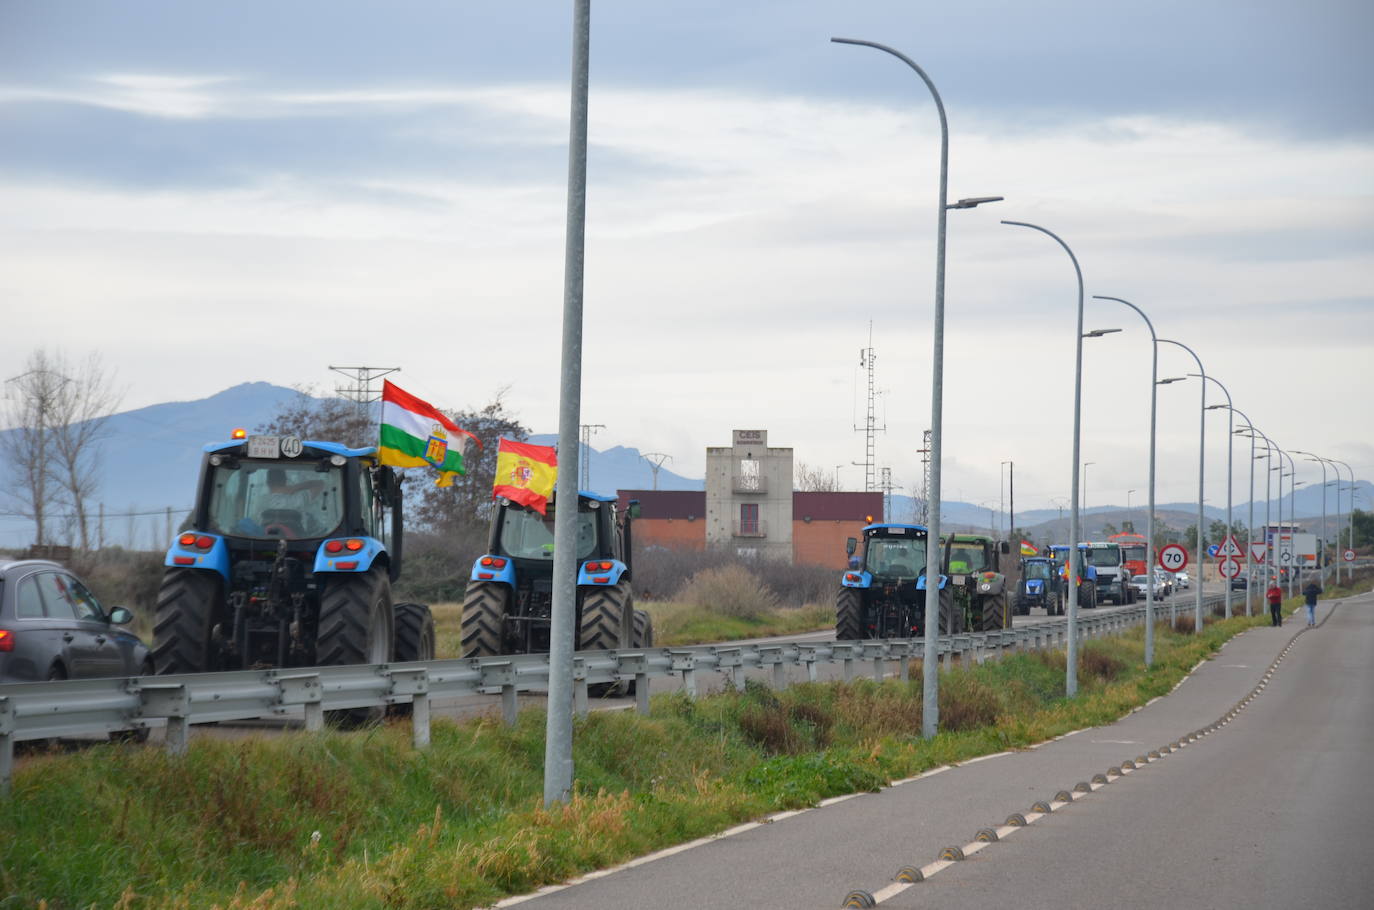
[[52, 627]]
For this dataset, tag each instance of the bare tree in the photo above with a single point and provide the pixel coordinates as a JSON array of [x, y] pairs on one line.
[[82, 407], [324, 419], [811, 479], [30, 400]]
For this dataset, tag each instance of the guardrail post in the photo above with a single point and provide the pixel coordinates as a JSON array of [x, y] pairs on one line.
[[771, 656], [302, 689], [900, 651], [6, 745], [636, 665], [845, 652], [580, 706], [172, 701], [501, 675], [685, 662], [414, 683], [731, 662], [946, 651], [807, 655], [875, 651]]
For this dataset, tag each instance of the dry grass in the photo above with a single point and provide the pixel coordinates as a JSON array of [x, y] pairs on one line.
[[730, 590]]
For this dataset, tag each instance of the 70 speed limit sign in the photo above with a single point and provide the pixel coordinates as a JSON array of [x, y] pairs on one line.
[[1173, 557]]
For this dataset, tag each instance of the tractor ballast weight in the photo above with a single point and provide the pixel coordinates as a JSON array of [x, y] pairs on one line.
[[508, 605], [883, 593], [974, 566], [1042, 585], [287, 560]]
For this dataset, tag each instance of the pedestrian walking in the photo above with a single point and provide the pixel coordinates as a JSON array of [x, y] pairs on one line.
[[1310, 592], [1275, 598]]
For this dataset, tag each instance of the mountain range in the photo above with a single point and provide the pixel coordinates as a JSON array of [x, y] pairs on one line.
[[150, 458]]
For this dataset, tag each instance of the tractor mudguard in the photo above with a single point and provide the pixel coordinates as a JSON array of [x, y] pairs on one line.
[[601, 578], [921, 583], [860, 579], [346, 560], [493, 568], [216, 559], [991, 583]]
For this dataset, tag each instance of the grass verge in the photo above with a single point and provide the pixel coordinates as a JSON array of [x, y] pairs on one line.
[[364, 821]]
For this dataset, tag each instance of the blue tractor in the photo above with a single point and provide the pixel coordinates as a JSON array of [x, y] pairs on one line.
[[1042, 585], [883, 594], [1087, 581], [287, 560], [508, 605]]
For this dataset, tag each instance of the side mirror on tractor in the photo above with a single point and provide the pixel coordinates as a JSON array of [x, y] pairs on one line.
[[1006, 548], [850, 545]]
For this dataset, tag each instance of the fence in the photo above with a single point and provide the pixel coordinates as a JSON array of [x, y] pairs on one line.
[[30, 711]]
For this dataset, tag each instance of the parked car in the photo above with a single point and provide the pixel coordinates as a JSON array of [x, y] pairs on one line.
[[52, 627]]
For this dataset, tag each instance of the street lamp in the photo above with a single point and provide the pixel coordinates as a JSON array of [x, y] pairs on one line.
[[1201, 466], [1075, 560], [1230, 434], [930, 704], [1325, 540], [1350, 517], [1250, 527], [1086, 465]]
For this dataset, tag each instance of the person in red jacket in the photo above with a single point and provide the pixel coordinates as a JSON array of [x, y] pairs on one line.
[[1275, 598]]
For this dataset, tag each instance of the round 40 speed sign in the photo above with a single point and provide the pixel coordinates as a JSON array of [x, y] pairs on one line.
[[1173, 557]]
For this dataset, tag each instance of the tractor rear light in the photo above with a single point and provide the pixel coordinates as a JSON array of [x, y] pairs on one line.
[[333, 546], [187, 540], [493, 562], [485, 576], [205, 541], [184, 560], [850, 576], [351, 564], [353, 544], [598, 566], [6, 640], [604, 579]]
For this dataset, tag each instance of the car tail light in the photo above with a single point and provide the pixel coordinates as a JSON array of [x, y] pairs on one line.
[[6, 640]]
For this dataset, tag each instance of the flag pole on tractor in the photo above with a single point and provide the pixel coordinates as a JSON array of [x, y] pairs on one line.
[[415, 434]]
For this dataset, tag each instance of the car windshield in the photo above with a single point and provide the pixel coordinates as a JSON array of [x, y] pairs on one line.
[[525, 534], [899, 557], [273, 500], [1142, 580], [1038, 570], [1104, 557]]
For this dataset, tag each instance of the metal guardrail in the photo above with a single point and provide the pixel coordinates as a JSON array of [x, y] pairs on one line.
[[30, 711]]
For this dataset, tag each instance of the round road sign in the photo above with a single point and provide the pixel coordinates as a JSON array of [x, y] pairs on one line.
[[1213, 550], [1173, 557], [1229, 568], [1349, 555]]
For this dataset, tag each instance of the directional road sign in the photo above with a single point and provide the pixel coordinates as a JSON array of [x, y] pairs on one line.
[[1173, 557], [1228, 568], [1257, 553], [1230, 548], [1213, 550]]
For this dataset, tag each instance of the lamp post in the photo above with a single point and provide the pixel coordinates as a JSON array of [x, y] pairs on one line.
[[1230, 434], [1268, 457], [1250, 527], [1086, 465], [1350, 518], [1321, 560], [1201, 467], [930, 704], [1075, 559], [1150, 558]]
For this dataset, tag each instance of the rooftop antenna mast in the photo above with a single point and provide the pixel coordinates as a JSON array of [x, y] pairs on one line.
[[655, 460], [867, 360]]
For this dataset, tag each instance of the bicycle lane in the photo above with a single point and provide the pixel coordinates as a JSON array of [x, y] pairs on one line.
[[814, 857]]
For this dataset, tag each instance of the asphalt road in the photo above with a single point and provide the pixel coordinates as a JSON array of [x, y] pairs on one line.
[[1269, 810]]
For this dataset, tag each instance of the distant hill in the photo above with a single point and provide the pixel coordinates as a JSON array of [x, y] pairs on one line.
[[151, 457]]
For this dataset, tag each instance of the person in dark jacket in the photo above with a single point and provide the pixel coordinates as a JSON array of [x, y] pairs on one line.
[[1275, 597], [1310, 592]]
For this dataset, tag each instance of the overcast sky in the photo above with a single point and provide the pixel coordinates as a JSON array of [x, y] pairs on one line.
[[214, 193]]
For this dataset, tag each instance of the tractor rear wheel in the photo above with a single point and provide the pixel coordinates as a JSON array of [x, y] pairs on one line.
[[644, 630], [188, 605], [848, 618], [357, 626], [607, 618], [987, 613], [951, 617], [414, 633], [485, 606]]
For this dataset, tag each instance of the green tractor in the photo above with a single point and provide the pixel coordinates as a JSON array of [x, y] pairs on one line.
[[973, 564]]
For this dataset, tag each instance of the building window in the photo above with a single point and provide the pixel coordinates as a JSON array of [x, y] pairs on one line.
[[748, 474], [749, 519]]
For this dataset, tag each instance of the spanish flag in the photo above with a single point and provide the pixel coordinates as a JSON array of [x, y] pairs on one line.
[[525, 474], [1028, 548], [414, 433]]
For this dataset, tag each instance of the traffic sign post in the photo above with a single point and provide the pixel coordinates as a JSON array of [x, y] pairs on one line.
[[1228, 568], [1174, 558], [1257, 553]]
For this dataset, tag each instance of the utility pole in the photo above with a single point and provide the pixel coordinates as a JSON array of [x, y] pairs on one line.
[[655, 460], [360, 391], [887, 494], [587, 430], [924, 517]]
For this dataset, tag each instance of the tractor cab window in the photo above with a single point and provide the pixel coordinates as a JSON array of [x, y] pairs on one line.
[[525, 534], [1039, 570], [966, 558], [896, 557], [1104, 557], [371, 508], [270, 500]]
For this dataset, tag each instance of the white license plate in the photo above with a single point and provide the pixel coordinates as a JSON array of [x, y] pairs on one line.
[[264, 447]]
